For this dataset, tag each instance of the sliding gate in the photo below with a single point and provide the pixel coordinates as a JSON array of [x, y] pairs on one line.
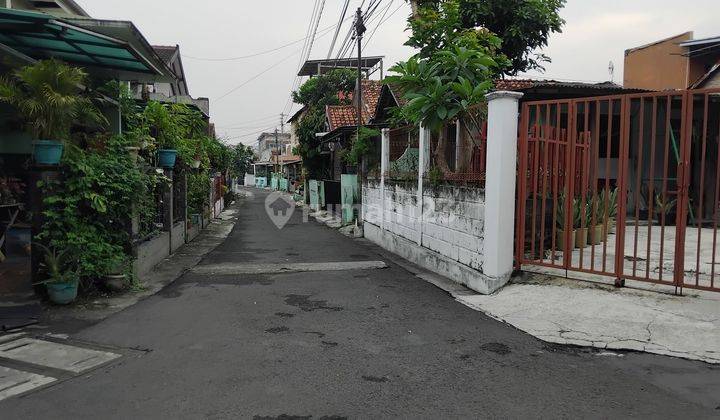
[[623, 186]]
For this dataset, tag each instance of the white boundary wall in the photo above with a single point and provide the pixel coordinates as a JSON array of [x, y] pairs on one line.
[[463, 233]]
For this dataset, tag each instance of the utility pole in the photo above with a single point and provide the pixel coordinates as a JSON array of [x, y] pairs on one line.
[[277, 151], [282, 122], [359, 31]]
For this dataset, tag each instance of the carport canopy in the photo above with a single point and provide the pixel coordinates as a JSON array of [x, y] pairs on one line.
[[41, 36]]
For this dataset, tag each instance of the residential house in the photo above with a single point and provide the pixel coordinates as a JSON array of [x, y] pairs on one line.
[[59, 8], [106, 50], [294, 122], [677, 62], [342, 122], [172, 87]]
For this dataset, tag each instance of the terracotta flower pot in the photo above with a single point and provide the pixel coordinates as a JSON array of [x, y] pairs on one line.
[[581, 237], [596, 234], [560, 240]]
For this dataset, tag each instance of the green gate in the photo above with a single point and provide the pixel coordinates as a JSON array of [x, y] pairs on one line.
[[349, 194]]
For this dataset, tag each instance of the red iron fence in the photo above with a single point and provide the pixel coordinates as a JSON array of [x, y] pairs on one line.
[[624, 186]]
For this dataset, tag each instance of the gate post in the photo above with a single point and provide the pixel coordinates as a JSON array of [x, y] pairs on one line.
[[423, 166], [384, 167], [500, 180]]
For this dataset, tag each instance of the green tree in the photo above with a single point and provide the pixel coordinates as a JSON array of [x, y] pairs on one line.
[[523, 25], [315, 95], [242, 159], [450, 75]]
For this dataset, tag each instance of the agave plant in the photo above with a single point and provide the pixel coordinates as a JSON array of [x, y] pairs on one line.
[[50, 97], [56, 265]]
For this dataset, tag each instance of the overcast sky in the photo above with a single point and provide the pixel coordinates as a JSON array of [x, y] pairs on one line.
[[596, 33]]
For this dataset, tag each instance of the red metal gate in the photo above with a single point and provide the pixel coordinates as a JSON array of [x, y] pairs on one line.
[[624, 186]]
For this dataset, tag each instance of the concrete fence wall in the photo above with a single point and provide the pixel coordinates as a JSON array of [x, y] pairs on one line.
[[452, 218], [463, 233], [249, 180]]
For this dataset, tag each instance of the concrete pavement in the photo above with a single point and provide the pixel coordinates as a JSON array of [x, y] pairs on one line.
[[358, 343], [598, 315]]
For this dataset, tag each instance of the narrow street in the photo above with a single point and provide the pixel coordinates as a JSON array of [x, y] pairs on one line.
[[334, 344]]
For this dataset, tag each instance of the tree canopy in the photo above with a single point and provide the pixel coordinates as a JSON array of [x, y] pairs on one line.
[[315, 94], [524, 27]]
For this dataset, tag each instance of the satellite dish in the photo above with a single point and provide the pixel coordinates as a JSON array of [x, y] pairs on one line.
[[611, 70]]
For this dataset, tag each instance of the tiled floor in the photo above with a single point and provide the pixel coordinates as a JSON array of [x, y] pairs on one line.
[[649, 252]]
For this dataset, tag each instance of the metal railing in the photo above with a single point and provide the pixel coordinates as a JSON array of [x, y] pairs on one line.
[[626, 186]]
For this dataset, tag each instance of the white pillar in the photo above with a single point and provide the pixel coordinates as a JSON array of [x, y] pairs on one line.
[[458, 149], [423, 165], [500, 179], [384, 167]]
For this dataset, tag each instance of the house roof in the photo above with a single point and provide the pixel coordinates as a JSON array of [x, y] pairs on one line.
[[660, 41], [701, 42], [519, 85], [166, 52], [287, 159], [370, 95], [701, 81], [128, 32], [339, 116], [76, 8], [169, 54], [297, 114], [316, 67]]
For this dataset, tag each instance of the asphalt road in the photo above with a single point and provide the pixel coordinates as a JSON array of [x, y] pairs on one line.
[[358, 344]]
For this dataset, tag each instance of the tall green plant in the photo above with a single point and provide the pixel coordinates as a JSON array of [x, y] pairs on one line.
[[451, 74], [87, 213], [51, 99]]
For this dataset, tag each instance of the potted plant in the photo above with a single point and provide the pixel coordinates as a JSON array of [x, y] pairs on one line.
[[164, 130], [115, 279], [62, 282], [167, 155], [663, 207], [197, 160], [581, 222], [612, 208], [560, 221], [49, 95], [596, 209]]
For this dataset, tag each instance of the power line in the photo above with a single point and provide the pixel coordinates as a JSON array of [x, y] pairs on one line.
[[383, 19], [240, 136], [267, 118], [309, 30], [256, 76], [328, 28], [339, 26], [297, 78], [312, 40], [263, 72]]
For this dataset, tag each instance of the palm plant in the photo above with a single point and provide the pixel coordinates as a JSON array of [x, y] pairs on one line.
[[50, 97]]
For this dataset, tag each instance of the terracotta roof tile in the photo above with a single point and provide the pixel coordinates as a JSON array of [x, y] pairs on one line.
[[514, 84], [371, 95], [341, 116]]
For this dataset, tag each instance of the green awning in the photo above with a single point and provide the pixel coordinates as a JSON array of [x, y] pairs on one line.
[[41, 36]]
